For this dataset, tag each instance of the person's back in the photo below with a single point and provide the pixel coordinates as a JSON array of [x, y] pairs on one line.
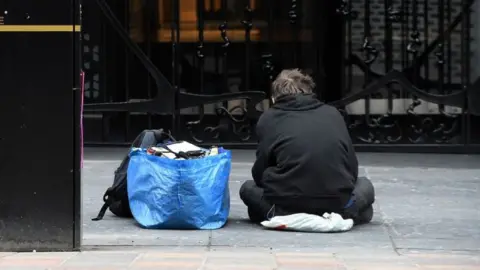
[[315, 167], [305, 159]]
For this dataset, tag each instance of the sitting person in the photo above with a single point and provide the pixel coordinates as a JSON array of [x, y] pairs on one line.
[[305, 161]]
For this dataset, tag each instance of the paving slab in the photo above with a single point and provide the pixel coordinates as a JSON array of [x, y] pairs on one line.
[[424, 202], [430, 208], [241, 258]]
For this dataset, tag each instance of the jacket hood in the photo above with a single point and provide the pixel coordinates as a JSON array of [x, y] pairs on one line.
[[301, 102]]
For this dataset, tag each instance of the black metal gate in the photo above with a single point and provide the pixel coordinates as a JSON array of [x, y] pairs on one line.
[[399, 70]]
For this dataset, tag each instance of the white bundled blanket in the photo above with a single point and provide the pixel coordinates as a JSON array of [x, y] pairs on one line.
[[327, 223]]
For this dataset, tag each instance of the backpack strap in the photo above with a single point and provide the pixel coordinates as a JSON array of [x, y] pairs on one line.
[[161, 135], [107, 202], [102, 212]]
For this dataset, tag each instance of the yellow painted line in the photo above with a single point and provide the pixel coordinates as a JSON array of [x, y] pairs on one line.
[[40, 28]]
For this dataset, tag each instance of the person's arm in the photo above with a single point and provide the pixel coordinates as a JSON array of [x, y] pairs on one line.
[[352, 158], [348, 144], [261, 163], [262, 153], [354, 162]]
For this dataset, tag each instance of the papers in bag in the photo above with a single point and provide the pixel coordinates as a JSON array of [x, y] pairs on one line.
[[178, 147], [310, 223], [181, 150]]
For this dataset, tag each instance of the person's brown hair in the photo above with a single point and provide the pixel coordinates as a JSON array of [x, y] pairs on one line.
[[292, 82]]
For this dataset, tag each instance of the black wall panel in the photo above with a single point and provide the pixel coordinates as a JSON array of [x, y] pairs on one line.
[[39, 125]]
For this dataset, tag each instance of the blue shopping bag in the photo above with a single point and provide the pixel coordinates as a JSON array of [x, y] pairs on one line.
[[179, 194]]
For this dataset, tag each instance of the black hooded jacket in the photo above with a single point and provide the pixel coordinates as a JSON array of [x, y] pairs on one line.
[[305, 158]]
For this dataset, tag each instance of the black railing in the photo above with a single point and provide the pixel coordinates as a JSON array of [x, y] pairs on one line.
[[400, 72]]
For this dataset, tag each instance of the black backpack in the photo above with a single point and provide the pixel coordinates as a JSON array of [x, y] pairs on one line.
[[116, 197]]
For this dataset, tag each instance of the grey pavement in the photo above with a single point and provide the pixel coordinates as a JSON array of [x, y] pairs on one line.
[[424, 202], [426, 217]]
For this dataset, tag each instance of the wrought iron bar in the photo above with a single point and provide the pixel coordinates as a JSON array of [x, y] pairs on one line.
[[175, 38], [388, 47], [393, 14], [105, 127], [466, 26], [126, 23], [247, 24], [201, 44], [440, 53], [345, 9], [293, 19], [426, 38], [200, 55], [449, 47], [406, 23], [267, 57], [404, 33], [148, 32], [466, 5], [415, 42], [465, 71], [368, 51], [223, 28]]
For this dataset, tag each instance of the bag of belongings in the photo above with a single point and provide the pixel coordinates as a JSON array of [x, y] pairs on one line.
[[115, 197], [179, 186]]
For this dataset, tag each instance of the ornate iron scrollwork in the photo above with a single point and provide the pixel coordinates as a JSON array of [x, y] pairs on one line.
[[200, 53], [411, 108], [378, 130], [429, 129], [440, 55], [371, 53], [414, 43], [346, 11], [292, 14], [394, 15], [441, 128], [268, 66], [223, 33], [228, 121], [248, 18], [233, 121]]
